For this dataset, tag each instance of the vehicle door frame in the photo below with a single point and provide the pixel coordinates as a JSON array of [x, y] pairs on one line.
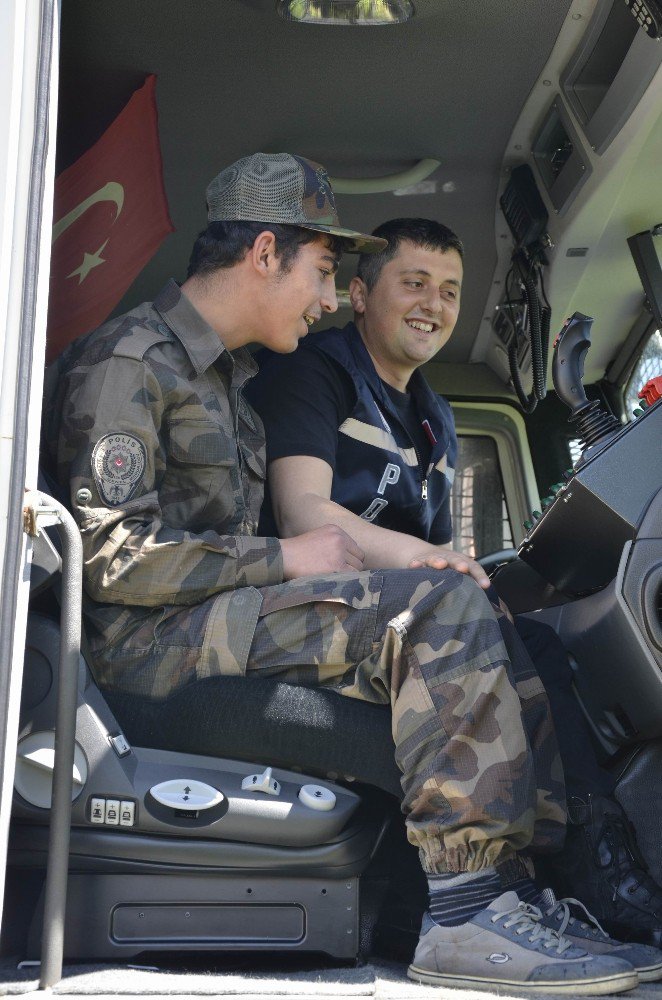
[[29, 48]]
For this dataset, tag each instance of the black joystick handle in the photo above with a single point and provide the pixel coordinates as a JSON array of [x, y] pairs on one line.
[[570, 349], [593, 424]]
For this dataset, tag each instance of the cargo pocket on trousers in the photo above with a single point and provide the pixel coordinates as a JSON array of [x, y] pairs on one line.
[[231, 620], [319, 620]]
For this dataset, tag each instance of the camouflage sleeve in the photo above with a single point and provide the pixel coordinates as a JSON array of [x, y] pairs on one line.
[[111, 454]]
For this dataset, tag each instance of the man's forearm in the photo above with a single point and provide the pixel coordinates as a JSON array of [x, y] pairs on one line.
[[300, 494], [383, 548]]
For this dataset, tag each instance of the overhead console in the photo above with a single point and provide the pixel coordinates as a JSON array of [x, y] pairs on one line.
[[585, 138], [602, 83], [612, 67]]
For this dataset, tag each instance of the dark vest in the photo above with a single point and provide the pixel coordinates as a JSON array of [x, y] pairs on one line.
[[378, 472]]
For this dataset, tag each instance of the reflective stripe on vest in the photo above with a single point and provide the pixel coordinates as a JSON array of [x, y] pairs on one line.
[[378, 474]]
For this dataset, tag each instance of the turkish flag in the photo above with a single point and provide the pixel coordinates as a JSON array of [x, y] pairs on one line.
[[110, 217]]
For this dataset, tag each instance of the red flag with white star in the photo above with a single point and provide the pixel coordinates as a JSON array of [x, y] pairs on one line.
[[110, 217]]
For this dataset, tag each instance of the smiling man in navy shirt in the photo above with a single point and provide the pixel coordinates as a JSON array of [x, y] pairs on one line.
[[356, 437]]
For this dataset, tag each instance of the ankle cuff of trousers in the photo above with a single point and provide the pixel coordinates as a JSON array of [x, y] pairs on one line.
[[515, 868]]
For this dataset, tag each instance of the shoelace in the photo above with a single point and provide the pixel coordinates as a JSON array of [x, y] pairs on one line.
[[560, 908], [529, 919], [642, 880], [626, 856]]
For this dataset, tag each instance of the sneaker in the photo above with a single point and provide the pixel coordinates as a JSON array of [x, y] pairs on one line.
[[588, 934], [506, 946]]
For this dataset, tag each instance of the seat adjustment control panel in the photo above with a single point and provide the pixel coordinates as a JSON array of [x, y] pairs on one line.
[[174, 794], [112, 812]]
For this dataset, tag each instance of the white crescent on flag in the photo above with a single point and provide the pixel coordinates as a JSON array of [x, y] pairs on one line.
[[112, 191]]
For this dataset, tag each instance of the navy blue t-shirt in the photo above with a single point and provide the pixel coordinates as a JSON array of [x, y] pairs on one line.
[[303, 398]]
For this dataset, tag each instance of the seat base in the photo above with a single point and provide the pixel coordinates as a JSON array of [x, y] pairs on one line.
[[118, 916]]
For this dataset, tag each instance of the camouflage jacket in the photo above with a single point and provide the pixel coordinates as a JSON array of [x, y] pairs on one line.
[[164, 464]]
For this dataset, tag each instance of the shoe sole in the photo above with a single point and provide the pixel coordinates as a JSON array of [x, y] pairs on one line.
[[646, 973], [649, 973], [576, 987]]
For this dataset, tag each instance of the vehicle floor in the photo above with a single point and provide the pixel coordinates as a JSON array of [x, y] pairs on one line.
[[250, 980]]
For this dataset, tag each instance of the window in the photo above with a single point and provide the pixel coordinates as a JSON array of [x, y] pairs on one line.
[[648, 366], [480, 518]]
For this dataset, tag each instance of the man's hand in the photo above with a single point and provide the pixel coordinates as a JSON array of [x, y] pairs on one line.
[[447, 559], [328, 549]]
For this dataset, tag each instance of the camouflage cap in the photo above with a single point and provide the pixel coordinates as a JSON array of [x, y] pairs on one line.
[[283, 189]]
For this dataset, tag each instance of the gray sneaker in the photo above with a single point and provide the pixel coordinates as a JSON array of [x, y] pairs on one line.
[[588, 934], [506, 946]]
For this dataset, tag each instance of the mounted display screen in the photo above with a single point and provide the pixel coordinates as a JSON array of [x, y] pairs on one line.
[[646, 250]]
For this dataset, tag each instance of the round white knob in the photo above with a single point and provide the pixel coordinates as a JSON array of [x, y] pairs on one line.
[[186, 793], [317, 797]]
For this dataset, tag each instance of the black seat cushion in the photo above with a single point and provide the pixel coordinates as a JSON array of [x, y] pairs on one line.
[[311, 729]]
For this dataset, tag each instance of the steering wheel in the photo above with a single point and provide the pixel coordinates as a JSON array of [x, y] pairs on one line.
[[498, 558]]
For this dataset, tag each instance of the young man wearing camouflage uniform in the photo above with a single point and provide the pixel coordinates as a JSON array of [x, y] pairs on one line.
[[164, 464]]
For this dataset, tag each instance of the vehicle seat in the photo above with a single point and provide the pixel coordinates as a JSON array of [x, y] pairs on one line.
[[262, 719], [253, 871]]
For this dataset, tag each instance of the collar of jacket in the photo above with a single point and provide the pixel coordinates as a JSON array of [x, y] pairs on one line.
[[426, 399], [202, 344]]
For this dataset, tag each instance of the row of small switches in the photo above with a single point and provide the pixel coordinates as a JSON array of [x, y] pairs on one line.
[[547, 501], [112, 812]]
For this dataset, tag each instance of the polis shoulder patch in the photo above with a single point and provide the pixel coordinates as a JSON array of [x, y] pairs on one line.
[[118, 462]]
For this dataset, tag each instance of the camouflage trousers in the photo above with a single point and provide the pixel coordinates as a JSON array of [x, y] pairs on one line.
[[473, 737]]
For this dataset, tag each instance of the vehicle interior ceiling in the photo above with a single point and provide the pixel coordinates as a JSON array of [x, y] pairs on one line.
[[475, 86]]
